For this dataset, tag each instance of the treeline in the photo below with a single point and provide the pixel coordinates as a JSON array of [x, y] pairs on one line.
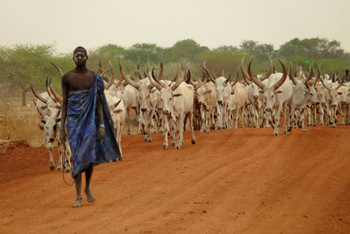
[[22, 65]]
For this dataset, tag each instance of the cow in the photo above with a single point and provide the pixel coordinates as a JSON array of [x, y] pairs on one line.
[[237, 102], [177, 101], [51, 125], [147, 100], [223, 90], [302, 95], [48, 107], [254, 96], [332, 100], [277, 92], [117, 111], [206, 97]]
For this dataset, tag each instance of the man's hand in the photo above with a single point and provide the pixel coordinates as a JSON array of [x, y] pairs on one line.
[[101, 133], [62, 136]]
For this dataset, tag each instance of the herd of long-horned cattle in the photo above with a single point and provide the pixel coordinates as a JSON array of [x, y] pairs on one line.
[[211, 102]]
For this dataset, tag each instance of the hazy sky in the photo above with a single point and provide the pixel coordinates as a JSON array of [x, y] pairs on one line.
[[211, 23]]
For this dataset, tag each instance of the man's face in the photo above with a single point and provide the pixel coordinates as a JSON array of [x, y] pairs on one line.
[[80, 58]]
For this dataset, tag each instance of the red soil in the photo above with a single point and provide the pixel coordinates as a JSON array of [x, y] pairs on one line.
[[230, 181]]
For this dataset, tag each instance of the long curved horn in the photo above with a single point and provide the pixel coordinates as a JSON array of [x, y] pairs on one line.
[[48, 90], [244, 72], [204, 74], [291, 75], [153, 81], [318, 74], [160, 75], [208, 77], [310, 76], [115, 105], [126, 78], [111, 79], [100, 69], [214, 75], [179, 80], [324, 84], [269, 71], [58, 69], [235, 80], [55, 94], [41, 115], [58, 113], [252, 78], [284, 77], [38, 96], [341, 83], [137, 71], [188, 76], [228, 79]]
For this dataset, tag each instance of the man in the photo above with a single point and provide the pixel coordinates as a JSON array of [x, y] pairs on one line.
[[346, 78], [90, 128]]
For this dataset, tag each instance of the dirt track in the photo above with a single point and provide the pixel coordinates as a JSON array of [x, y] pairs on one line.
[[231, 181]]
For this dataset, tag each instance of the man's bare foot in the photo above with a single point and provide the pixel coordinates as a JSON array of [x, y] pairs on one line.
[[90, 198], [77, 203]]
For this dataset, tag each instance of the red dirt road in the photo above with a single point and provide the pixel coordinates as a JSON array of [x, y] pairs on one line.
[[230, 181]]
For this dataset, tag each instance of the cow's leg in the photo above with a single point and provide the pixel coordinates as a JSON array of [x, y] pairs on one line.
[[51, 162], [181, 141], [285, 111], [203, 119], [60, 156], [68, 156], [127, 110], [166, 132], [302, 117], [193, 138]]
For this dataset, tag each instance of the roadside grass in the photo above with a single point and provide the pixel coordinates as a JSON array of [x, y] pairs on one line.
[[19, 122]]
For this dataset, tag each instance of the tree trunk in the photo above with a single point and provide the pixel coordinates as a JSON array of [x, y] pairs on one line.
[[23, 97]]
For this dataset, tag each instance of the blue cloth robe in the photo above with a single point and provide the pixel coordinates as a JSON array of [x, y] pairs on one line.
[[83, 124]]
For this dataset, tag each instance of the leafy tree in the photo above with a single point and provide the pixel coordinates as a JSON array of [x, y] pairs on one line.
[[144, 52], [106, 53], [185, 49], [314, 48], [26, 64]]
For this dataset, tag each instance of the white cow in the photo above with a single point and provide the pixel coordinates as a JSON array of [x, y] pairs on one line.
[[237, 103], [147, 101], [277, 92], [302, 96], [177, 102], [117, 111]]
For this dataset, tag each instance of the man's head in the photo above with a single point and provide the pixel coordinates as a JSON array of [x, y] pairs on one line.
[[346, 70], [80, 56]]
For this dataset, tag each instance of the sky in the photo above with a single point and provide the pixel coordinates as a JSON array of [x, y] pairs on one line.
[[212, 23]]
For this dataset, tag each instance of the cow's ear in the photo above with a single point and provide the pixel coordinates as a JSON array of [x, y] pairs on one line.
[[177, 95], [279, 91], [43, 121], [58, 120]]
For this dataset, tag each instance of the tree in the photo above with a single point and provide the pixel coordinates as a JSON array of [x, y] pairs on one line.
[[144, 52], [315, 48], [26, 64], [185, 49]]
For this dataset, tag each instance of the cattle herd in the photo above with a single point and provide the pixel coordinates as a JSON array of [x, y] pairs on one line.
[[209, 103]]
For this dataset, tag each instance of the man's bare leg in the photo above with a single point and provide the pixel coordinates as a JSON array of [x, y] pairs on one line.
[[77, 180], [88, 175]]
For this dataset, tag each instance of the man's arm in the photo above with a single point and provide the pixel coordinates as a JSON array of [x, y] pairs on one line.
[[99, 109], [64, 108]]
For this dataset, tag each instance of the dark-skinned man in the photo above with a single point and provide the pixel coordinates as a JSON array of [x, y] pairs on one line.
[[89, 126]]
